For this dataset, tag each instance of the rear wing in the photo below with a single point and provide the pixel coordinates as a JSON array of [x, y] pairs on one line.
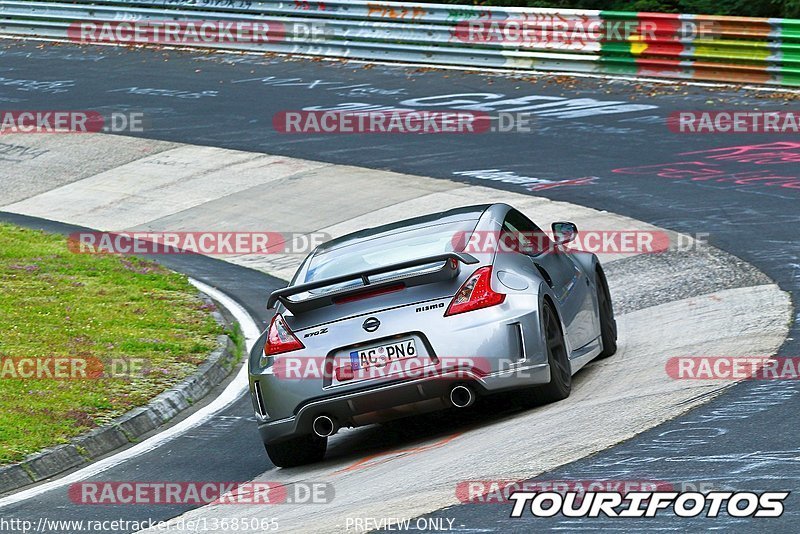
[[448, 270]]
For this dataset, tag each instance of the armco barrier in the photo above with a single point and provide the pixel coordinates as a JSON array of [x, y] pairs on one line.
[[729, 49]]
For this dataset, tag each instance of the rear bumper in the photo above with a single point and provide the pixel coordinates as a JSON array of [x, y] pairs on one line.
[[504, 342], [399, 399]]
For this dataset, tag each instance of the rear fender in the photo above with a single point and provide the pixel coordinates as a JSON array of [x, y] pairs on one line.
[[515, 273]]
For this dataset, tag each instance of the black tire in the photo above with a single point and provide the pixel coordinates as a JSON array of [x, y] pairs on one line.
[[560, 384], [297, 451], [608, 325]]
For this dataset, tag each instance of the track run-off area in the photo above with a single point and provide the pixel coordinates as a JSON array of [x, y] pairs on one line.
[[598, 153]]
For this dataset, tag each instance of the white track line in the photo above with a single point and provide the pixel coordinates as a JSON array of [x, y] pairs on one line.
[[231, 393]]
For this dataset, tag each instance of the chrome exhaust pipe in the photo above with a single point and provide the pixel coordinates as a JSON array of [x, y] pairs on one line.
[[462, 397], [324, 426]]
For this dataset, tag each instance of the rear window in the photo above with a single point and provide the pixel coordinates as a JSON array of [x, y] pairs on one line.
[[385, 250]]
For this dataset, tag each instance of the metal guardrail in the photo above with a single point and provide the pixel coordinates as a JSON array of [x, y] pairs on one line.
[[729, 49]]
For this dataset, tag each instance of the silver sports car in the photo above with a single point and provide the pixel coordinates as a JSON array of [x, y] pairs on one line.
[[425, 314]]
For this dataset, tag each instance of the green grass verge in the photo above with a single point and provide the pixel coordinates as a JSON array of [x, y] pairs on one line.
[[54, 303]]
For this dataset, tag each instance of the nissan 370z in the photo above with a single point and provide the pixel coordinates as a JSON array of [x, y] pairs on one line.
[[422, 315]]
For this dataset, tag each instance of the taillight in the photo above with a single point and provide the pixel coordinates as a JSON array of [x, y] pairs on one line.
[[280, 337], [475, 293]]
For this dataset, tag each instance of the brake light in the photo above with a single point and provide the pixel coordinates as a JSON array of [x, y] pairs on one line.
[[280, 337], [475, 293], [369, 294]]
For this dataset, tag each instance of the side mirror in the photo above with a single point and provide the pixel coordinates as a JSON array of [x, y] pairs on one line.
[[564, 232]]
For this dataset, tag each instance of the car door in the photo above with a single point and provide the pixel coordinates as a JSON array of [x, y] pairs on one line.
[[568, 281]]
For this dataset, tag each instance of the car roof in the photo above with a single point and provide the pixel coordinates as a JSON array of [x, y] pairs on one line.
[[466, 213]]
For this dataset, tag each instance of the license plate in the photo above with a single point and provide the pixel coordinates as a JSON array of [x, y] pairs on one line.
[[383, 355]]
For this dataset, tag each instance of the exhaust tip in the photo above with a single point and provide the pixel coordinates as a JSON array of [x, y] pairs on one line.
[[324, 426], [462, 397]]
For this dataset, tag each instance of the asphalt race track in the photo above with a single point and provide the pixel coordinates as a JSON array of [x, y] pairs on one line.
[[596, 143]]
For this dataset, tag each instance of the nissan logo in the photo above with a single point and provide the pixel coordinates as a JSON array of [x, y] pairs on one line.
[[371, 324]]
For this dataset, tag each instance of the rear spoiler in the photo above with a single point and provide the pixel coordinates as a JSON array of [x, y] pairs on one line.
[[317, 301]]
